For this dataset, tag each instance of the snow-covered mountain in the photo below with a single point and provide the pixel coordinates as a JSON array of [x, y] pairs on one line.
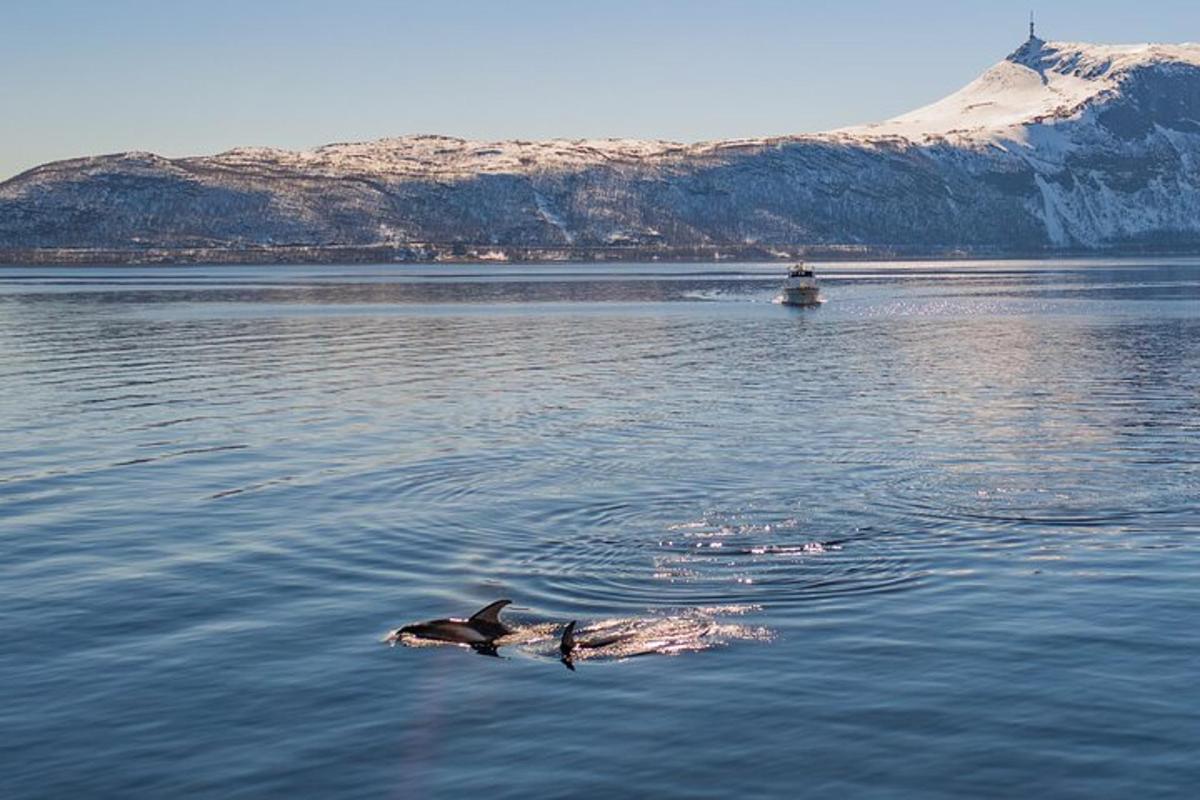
[[1058, 147]]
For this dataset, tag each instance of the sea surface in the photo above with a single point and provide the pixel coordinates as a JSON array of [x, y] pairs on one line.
[[936, 538]]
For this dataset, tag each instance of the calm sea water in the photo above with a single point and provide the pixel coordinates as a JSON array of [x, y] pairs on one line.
[[220, 487]]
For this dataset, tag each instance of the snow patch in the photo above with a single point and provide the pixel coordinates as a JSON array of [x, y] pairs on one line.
[[550, 216]]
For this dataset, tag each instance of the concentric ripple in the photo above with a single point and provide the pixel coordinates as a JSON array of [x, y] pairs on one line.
[[776, 562]]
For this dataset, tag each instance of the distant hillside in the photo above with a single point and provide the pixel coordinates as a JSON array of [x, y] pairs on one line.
[[1060, 147]]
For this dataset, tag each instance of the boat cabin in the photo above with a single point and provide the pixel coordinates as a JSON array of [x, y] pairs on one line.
[[800, 271]]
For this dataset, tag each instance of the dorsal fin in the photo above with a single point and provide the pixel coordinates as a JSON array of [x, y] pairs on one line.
[[567, 645], [490, 614]]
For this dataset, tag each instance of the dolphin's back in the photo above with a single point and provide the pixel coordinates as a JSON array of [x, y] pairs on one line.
[[448, 630]]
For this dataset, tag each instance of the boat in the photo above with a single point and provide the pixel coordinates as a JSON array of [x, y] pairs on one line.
[[800, 288]]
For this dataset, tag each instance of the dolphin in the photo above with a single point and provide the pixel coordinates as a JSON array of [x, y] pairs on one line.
[[480, 630], [630, 638]]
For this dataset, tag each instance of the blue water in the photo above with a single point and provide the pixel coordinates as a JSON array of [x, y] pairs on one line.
[[221, 487]]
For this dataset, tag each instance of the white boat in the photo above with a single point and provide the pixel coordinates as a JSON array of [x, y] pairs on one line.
[[800, 288]]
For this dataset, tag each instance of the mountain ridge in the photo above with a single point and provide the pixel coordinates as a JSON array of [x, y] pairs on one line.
[[1059, 147]]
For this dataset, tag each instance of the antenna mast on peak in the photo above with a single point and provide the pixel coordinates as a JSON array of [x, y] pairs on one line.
[[1032, 34]]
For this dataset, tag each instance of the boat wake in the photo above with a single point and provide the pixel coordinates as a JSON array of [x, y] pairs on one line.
[[723, 296]]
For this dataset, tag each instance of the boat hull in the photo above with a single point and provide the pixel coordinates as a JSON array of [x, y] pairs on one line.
[[800, 296]]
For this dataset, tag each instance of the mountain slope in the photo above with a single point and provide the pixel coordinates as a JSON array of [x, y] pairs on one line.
[[1059, 146]]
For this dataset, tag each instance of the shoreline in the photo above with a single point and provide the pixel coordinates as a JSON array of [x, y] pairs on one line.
[[424, 253]]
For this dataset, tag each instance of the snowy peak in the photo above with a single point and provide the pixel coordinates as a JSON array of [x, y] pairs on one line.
[[1100, 62], [1041, 82]]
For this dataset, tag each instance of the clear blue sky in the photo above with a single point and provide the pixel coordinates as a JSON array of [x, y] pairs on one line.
[[81, 77]]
